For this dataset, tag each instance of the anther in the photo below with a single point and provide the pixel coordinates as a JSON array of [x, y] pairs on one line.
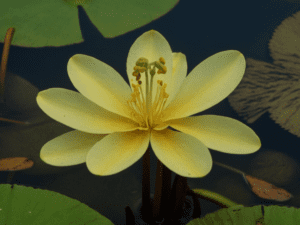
[[138, 77], [148, 114], [160, 82], [140, 69], [162, 68], [135, 73], [143, 62], [162, 60]]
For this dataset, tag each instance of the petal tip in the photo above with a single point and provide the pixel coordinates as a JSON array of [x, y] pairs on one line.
[[75, 58]]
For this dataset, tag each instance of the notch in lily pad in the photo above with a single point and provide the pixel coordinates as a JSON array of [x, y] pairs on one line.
[[43, 23]]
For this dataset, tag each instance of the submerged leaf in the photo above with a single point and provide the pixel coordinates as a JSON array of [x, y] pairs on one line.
[[284, 45], [273, 88], [27, 140], [275, 167]]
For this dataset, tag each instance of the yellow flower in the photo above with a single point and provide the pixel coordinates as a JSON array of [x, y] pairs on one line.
[[115, 122]]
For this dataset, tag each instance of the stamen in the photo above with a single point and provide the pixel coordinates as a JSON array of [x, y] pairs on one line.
[[146, 113], [133, 107], [158, 94], [141, 91], [161, 103], [162, 60], [157, 91]]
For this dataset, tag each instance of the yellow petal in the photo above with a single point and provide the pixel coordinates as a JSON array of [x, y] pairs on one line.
[[151, 45], [181, 153], [100, 83], [178, 75], [209, 83], [117, 152], [219, 133], [74, 110], [69, 149]]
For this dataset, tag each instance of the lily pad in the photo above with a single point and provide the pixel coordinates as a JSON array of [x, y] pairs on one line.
[[258, 214], [26, 205], [40, 23]]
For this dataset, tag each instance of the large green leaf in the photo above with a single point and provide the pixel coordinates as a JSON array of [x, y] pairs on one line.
[[40, 23], [259, 214], [26, 205]]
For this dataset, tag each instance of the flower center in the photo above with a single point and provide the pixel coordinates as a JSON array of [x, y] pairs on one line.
[[148, 115]]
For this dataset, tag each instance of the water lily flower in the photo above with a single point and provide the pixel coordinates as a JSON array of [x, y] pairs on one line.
[[115, 122]]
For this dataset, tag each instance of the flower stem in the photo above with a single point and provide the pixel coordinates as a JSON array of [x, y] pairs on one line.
[[229, 168], [162, 190], [146, 202], [7, 42], [130, 219], [197, 208], [13, 121], [177, 198], [10, 176]]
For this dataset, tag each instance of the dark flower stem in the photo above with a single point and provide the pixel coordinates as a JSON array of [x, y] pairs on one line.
[[10, 176], [7, 42], [146, 202], [130, 219], [162, 190], [177, 198], [197, 208]]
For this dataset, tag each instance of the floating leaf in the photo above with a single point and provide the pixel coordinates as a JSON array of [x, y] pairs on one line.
[[26, 205], [259, 214], [266, 190], [41, 23], [273, 88], [260, 187], [15, 164]]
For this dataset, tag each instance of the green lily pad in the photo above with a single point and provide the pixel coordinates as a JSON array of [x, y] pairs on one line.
[[40, 23], [26, 205], [259, 214]]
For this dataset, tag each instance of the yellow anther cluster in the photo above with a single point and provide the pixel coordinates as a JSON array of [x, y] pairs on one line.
[[160, 82], [160, 65], [148, 115], [140, 69], [138, 76], [143, 62], [162, 60]]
